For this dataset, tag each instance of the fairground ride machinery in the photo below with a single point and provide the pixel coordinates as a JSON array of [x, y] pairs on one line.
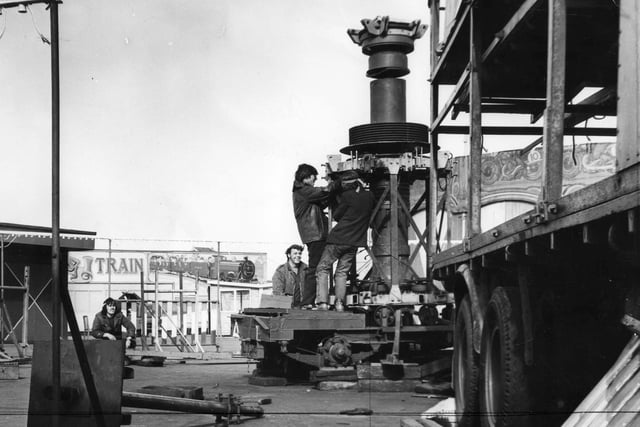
[[392, 314], [548, 302]]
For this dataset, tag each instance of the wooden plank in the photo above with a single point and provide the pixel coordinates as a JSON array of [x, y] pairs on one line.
[[452, 39], [475, 127], [378, 371], [435, 366], [9, 371], [503, 36], [628, 142], [365, 385], [554, 112], [275, 301]]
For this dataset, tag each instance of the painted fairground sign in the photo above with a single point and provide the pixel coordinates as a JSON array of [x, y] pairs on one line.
[[126, 267]]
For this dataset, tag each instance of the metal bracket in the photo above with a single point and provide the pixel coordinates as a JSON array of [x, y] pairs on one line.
[[542, 213]]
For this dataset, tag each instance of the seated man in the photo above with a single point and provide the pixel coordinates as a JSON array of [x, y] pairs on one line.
[[288, 278], [108, 323]]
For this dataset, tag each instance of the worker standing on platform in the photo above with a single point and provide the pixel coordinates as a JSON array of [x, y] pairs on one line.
[[108, 323], [352, 212], [288, 278], [309, 203]]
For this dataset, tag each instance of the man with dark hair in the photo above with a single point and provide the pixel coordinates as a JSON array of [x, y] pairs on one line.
[[288, 278], [309, 203], [352, 212], [108, 323]]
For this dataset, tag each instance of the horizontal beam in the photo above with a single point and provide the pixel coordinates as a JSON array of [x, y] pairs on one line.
[[525, 130], [531, 107], [12, 3]]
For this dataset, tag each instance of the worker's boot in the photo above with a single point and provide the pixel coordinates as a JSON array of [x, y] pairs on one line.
[[339, 306], [323, 306]]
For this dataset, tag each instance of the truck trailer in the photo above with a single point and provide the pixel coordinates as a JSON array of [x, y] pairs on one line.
[[548, 302]]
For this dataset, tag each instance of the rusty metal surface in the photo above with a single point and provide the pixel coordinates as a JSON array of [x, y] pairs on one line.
[[106, 361]]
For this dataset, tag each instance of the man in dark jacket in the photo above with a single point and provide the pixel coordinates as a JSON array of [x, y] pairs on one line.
[[108, 323], [352, 212], [288, 278], [309, 203]]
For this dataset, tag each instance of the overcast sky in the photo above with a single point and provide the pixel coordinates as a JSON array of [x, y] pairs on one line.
[[185, 119]]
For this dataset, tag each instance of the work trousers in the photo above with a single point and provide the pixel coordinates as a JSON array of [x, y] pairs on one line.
[[309, 287], [345, 254]]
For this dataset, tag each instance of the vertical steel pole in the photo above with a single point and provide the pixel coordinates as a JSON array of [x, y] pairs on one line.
[[25, 307], [1, 290], [143, 314], [394, 223], [553, 132], [208, 308], [109, 270], [181, 300], [475, 127], [196, 312], [55, 211], [156, 324], [180, 311], [218, 307], [432, 182]]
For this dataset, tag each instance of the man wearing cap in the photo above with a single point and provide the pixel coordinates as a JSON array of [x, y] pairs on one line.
[[352, 212], [309, 203], [108, 323], [288, 278]]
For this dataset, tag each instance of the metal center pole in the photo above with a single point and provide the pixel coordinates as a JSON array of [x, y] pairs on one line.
[[218, 314], [55, 210], [1, 290]]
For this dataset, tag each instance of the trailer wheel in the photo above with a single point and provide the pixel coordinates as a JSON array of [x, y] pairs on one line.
[[504, 394], [465, 366]]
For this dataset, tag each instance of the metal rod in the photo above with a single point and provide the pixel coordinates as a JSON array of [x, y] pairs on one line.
[[218, 314], [2, 286], [208, 308], [180, 311], [196, 310], [554, 112], [25, 307], [143, 314], [55, 211], [432, 181], [141, 400], [156, 320], [395, 253], [109, 270]]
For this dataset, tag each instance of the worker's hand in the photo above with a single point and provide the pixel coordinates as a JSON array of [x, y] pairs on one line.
[[128, 343], [109, 336]]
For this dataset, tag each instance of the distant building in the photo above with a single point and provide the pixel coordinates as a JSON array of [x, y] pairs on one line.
[[25, 251], [126, 275]]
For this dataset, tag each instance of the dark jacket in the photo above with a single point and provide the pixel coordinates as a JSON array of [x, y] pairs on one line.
[[308, 208], [285, 279], [102, 323], [352, 213]]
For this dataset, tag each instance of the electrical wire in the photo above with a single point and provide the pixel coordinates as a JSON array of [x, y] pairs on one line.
[[4, 25], [33, 19]]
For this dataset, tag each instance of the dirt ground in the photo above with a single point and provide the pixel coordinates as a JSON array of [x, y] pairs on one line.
[[292, 405]]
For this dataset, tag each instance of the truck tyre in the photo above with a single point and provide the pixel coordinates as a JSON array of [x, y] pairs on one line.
[[504, 391], [465, 367]]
